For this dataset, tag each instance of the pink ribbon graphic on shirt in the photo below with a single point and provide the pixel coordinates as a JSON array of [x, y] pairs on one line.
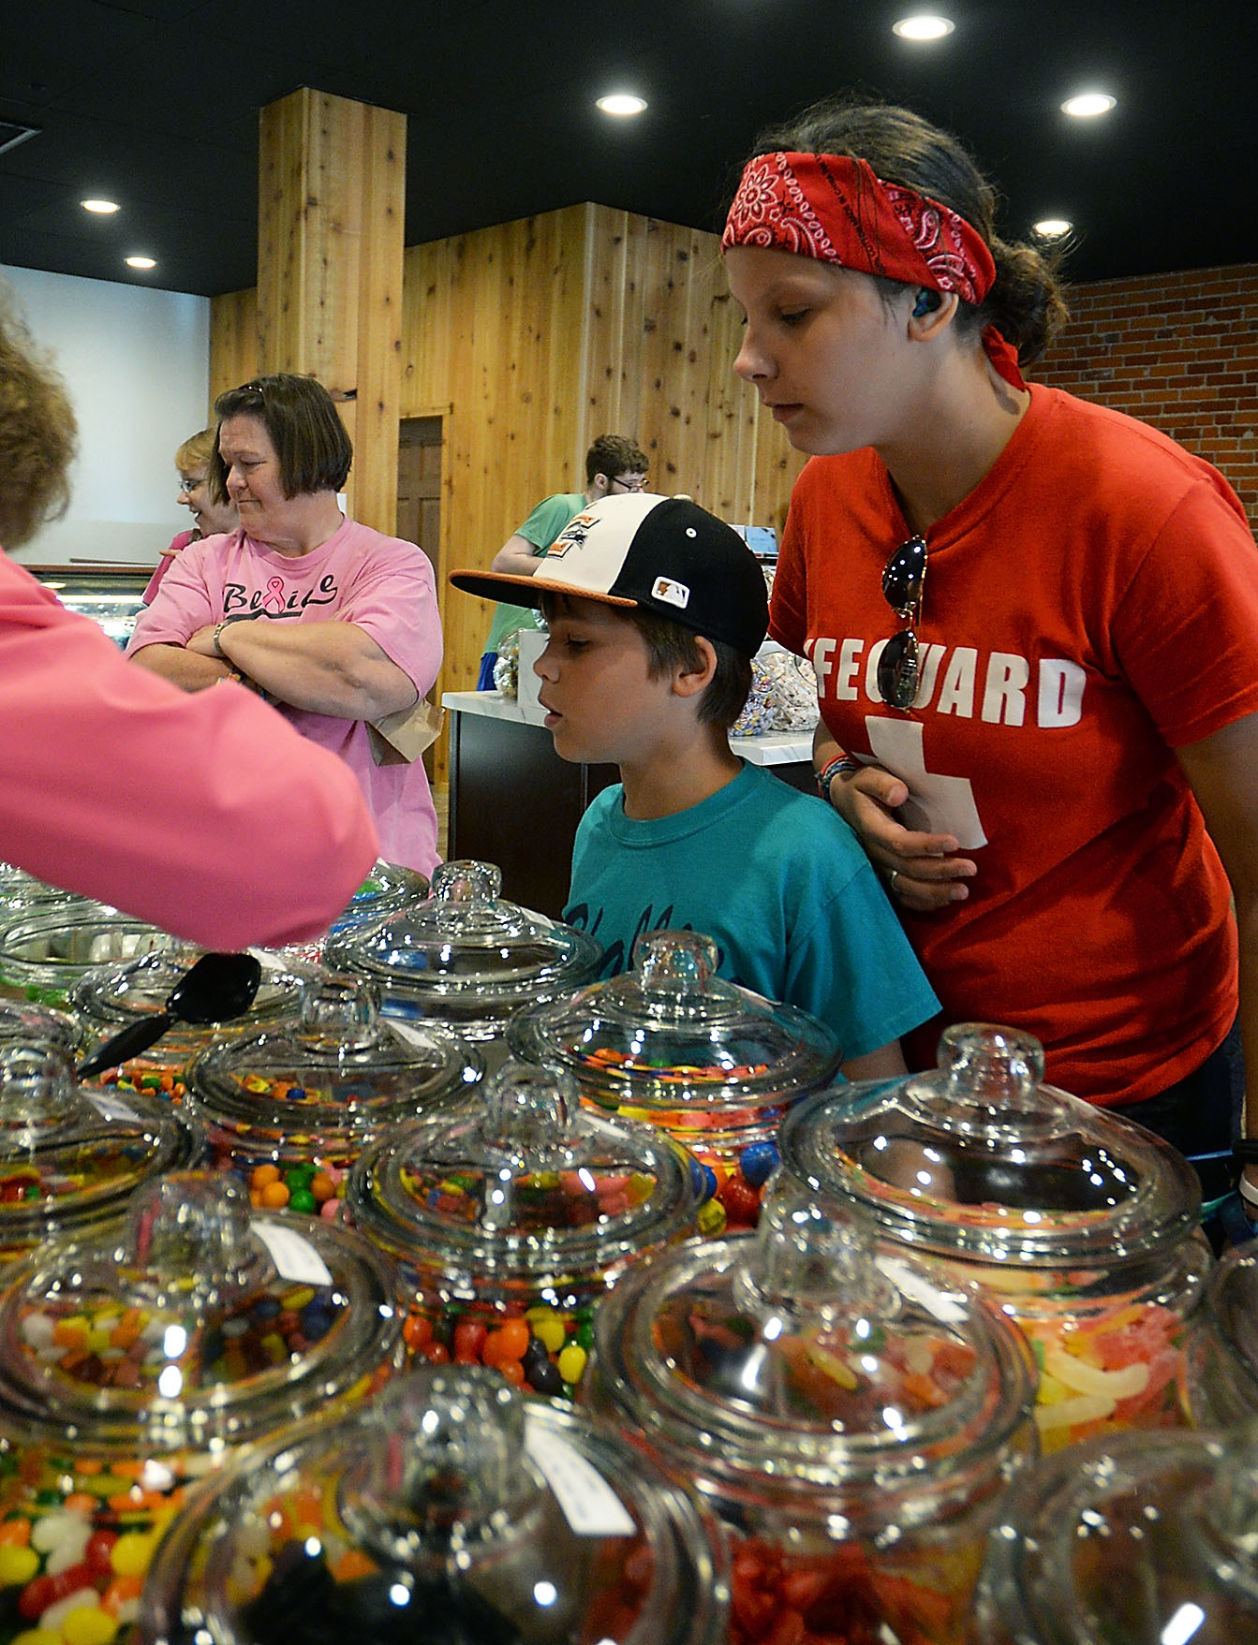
[[275, 587]]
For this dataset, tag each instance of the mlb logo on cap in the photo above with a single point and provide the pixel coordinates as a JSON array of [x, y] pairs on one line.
[[667, 592], [661, 554]]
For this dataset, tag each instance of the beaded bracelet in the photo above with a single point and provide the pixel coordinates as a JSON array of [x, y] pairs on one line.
[[841, 766]]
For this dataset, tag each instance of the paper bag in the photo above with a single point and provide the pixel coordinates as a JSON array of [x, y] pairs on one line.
[[400, 738]]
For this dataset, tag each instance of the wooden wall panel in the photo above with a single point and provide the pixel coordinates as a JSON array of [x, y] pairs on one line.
[[233, 341], [530, 339]]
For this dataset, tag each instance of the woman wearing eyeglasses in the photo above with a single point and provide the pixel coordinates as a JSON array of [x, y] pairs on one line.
[[1034, 624], [210, 518], [334, 623]]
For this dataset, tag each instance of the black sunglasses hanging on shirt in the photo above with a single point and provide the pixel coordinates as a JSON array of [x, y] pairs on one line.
[[903, 583]]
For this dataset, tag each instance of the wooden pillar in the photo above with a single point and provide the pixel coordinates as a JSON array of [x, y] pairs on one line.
[[332, 175]]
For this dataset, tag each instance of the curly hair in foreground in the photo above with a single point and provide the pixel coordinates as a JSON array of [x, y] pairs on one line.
[[38, 434]]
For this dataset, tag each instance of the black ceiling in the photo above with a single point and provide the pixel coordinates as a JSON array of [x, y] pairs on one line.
[[154, 103]]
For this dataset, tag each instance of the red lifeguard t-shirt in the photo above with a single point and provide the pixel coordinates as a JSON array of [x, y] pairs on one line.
[[1090, 606]]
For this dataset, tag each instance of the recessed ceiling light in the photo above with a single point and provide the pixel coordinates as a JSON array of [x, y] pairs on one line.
[[621, 103], [923, 26], [105, 208], [1051, 228], [1088, 104], [141, 262]]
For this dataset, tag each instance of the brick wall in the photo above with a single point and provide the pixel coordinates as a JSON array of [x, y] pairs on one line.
[[1179, 351]]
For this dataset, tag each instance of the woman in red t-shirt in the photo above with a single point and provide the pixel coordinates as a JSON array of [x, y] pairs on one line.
[[1033, 623]]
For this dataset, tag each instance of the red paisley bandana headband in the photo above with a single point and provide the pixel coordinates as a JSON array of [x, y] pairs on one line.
[[838, 210]]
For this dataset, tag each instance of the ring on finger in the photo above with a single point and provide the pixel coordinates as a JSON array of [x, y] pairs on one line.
[[892, 877]]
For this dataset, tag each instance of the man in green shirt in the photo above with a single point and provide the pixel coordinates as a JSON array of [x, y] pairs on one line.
[[613, 465]]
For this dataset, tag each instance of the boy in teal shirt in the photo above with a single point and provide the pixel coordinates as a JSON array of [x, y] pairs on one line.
[[655, 609]]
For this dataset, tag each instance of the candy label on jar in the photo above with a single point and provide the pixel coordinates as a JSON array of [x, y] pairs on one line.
[[948, 1310], [294, 1257], [589, 1504], [112, 1107]]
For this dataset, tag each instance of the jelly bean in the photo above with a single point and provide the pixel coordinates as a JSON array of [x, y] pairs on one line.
[[54, 1618], [572, 1363], [264, 1174], [275, 1196], [132, 1554], [302, 1200], [544, 1378], [469, 1340], [512, 1338], [17, 1565], [711, 1218], [88, 1625], [740, 1200], [551, 1332]]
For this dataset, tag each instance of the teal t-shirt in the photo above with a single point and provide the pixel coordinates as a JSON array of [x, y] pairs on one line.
[[778, 880], [541, 528]]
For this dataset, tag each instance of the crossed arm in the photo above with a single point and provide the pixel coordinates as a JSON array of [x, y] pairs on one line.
[[331, 668]]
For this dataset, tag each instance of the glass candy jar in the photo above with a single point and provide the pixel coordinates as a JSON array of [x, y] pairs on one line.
[[38, 1025], [109, 998], [138, 1358], [45, 949], [464, 955], [290, 1108], [509, 1223], [71, 1156], [1084, 1224], [1128, 1539], [712, 1064], [1219, 1374], [853, 1416], [450, 1510]]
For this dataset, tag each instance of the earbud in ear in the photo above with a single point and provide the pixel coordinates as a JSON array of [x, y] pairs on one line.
[[927, 302]]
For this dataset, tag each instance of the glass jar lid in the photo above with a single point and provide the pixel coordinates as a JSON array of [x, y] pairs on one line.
[[464, 953], [805, 1356], [337, 1070], [70, 1154], [190, 1321], [1146, 1538], [37, 1025], [45, 950], [18, 889], [981, 1160], [1220, 1375], [112, 995], [525, 1185], [672, 1033], [388, 886], [448, 1508]]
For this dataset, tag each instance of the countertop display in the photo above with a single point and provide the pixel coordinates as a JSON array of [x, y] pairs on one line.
[[509, 790], [109, 596]]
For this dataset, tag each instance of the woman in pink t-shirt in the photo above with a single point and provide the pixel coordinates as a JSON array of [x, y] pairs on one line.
[[336, 624]]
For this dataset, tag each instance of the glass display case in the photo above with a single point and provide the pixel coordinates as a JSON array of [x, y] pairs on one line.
[[109, 595]]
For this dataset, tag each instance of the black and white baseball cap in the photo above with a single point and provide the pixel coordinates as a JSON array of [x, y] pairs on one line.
[[662, 554]]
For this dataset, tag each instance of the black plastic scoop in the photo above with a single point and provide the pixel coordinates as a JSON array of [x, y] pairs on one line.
[[216, 989]]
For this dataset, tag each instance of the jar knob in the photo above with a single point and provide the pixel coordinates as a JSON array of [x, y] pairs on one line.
[[674, 965], [190, 1231], [810, 1255], [339, 1008], [993, 1067], [1231, 1501], [466, 881], [443, 1468], [36, 1090]]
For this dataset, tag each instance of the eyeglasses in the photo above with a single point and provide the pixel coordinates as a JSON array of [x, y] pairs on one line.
[[903, 581], [630, 484], [186, 485]]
